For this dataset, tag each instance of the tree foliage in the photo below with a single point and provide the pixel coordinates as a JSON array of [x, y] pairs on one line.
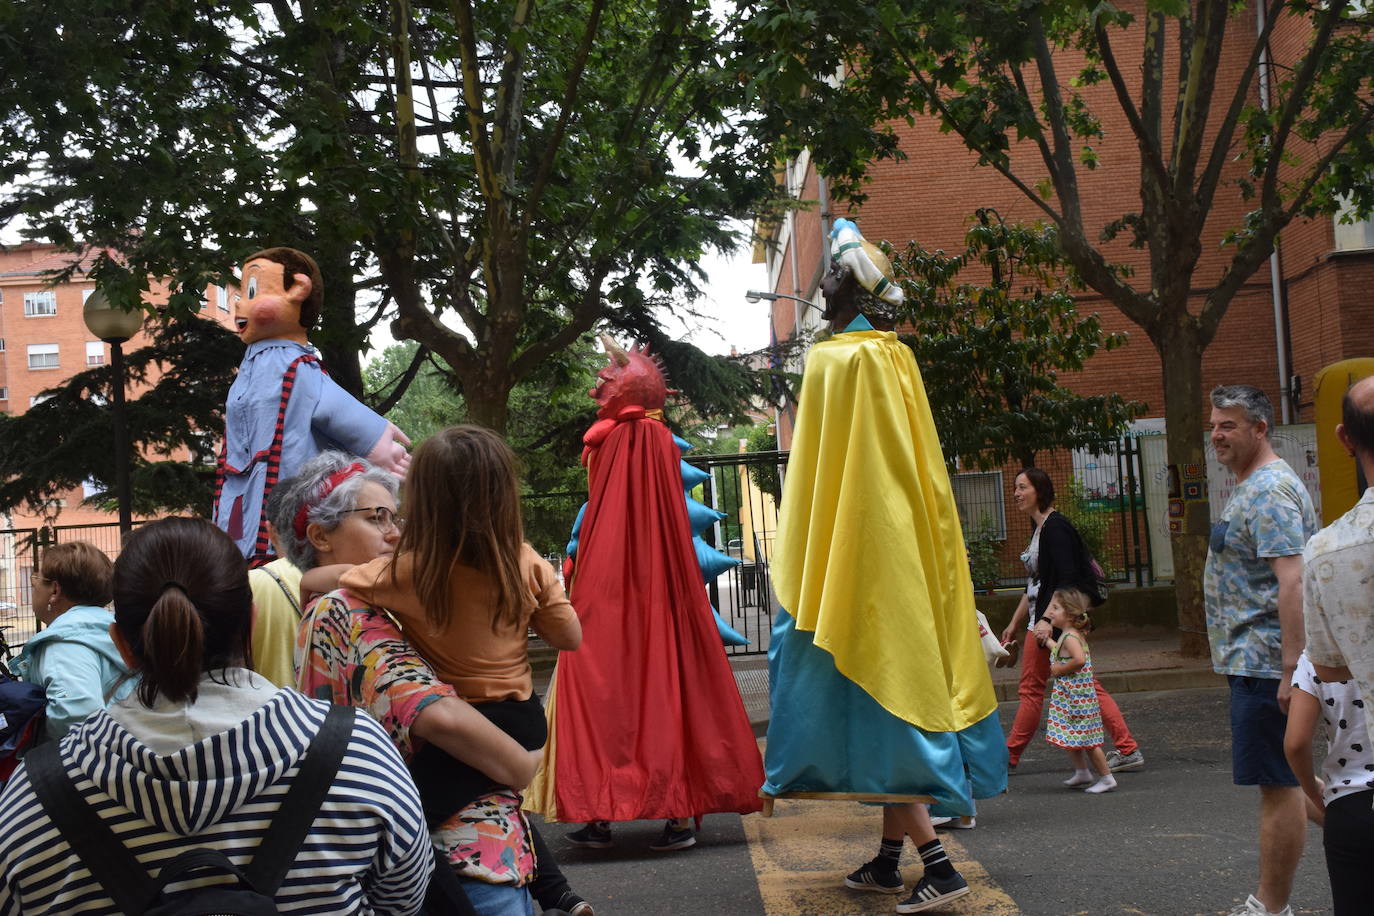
[[836, 78], [494, 178], [64, 441], [549, 413], [992, 351]]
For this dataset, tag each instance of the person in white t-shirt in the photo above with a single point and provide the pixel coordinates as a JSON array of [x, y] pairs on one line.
[[1338, 603], [1345, 794]]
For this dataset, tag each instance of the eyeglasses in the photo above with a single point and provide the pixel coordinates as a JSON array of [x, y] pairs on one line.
[[383, 517], [36, 579]]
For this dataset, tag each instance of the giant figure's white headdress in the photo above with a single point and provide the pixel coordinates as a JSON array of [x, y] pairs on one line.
[[870, 266]]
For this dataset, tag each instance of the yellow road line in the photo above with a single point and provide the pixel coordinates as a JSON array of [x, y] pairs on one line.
[[803, 852]]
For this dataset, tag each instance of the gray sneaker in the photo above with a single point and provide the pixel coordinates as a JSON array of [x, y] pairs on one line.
[[1118, 762]]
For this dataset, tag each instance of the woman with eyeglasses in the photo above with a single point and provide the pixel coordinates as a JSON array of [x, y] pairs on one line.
[[341, 511], [73, 657]]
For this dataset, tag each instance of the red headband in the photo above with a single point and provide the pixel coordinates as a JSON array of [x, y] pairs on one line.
[[330, 482]]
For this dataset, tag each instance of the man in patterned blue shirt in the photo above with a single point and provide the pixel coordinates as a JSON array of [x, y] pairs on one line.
[[1253, 586]]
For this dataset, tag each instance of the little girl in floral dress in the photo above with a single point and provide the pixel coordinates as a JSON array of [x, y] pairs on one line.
[[1075, 722]]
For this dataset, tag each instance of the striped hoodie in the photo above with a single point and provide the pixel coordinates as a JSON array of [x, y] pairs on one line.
[[367, 852]]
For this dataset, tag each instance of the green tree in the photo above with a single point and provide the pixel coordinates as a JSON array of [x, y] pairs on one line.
[[764, 438], [425, 403], [992, 352], [64, 441], [985, 71], [549, 413], [494, 178]]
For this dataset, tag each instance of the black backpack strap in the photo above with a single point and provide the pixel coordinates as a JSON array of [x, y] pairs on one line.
[[291, 825], [90, 838]]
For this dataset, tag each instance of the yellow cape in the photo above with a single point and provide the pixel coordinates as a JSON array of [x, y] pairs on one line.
[[870, 556]]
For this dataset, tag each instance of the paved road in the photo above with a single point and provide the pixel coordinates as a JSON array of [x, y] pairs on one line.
[[1176, 840]]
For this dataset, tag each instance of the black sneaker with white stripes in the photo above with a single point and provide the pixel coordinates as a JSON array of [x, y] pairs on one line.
[[930, 893], [876, 875]]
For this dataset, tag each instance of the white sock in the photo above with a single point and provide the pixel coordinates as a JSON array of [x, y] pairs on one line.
[[1103, 784], [1080, 777]]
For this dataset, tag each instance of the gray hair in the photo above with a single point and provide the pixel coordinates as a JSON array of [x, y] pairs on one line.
[[1253, 402], [304, 490]]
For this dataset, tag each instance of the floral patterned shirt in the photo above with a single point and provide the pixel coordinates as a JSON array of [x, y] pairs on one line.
[[353, 654], [1338, 595], [1270, 515]]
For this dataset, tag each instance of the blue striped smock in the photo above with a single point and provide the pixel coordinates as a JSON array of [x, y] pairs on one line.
[[367, 852]]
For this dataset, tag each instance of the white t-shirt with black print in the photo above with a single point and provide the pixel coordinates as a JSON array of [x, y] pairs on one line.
[[1349, 764]]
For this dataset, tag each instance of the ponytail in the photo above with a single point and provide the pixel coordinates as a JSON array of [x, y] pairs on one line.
[[173, 642], [183, 605]]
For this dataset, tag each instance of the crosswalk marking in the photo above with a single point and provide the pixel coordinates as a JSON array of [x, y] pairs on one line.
[[802, 853]]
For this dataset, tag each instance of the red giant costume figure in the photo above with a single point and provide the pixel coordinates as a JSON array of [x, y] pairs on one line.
[[645, 720]]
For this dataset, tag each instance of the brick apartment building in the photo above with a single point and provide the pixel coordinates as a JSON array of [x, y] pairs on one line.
[[1315, 307], [44, 341]]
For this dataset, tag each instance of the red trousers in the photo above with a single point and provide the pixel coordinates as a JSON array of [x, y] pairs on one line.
[[1035, 672]]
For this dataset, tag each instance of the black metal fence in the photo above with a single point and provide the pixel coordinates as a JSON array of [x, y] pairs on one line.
[[743, 486], [1101, 492], [747, 488], [19, 549]]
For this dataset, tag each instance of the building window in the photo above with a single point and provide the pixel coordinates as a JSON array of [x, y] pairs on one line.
[[42, 356], [979, 499], [222, 298], [36, 399], [1352, 234], [2, 345], [95, 353], [4, 394], [40, 305]]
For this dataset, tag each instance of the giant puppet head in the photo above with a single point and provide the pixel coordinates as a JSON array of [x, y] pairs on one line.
[[857, 266], [631, 379], [280, 295]]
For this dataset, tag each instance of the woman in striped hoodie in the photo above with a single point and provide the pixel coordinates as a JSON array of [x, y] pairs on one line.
[[203, 753]]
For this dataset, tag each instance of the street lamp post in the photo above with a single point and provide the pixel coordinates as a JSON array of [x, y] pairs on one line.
[[114, 326], [755, 295]]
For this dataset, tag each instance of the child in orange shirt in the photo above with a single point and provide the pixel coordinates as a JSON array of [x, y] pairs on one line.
[[466, 589]]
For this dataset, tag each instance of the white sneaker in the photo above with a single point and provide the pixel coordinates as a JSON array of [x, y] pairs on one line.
[[1105, 784], [1252, 907], [954, 823]]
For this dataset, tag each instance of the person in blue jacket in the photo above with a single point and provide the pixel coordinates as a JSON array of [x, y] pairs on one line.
[[73, 658]]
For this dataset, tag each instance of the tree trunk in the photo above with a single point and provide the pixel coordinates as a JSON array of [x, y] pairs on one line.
[[337, 333], [488, 402], [1180, 356]]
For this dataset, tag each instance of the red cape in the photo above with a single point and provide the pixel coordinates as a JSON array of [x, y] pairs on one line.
[[648, 719]]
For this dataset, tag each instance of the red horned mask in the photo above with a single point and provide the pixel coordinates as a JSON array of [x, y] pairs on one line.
[[631, 378]]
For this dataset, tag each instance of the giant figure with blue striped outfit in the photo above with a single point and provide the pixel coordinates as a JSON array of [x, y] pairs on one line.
[[880, 690], [283, 409]]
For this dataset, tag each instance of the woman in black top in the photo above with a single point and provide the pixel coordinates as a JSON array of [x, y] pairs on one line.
[[1055, 559]]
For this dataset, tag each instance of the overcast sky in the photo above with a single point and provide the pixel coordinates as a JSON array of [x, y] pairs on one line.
[[727, 319]]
